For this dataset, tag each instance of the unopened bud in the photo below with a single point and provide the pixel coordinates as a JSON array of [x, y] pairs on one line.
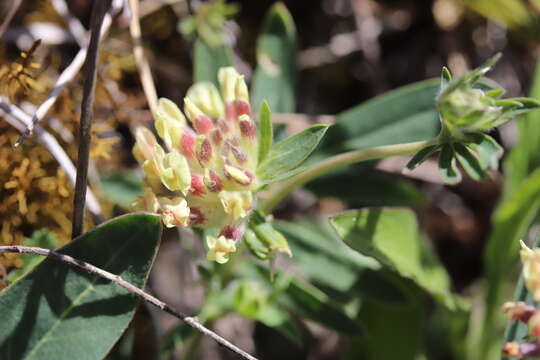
[[238, 204], [206, 97], [197, 185], [204, 149], [518, 311], [175, 173], [212, 181], [227, 80], [147, 202], [534, 325], [241, 90], [144, 144], [238, 175]]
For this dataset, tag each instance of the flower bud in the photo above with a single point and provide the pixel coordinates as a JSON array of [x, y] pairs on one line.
[[175, 173], [168, 123], [144, 145], [175, 211], [219, 248], [531, 269], [147, 202], [534, 325], [238, 175], [238, 204], [241, 90], [206, 97], [228, 78], [518, 311]]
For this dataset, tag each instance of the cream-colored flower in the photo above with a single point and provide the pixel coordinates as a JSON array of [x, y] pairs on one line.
[[175, 211], [219, 248], [206, 174]]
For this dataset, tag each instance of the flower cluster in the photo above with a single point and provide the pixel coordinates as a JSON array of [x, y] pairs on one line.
[[205, 176], [520, 311]]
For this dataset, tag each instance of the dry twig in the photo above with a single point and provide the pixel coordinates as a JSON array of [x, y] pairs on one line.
[[191, 321], [87, 111], [69, 73], [138, 52]]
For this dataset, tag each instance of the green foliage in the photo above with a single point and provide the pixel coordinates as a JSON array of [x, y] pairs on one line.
[[266, 135], [263, 239], [207, 60], [468, 106], [208, 22], [274, 80], [399, 116], [79, 315], [289, 153], [121, 188], [391, 236]]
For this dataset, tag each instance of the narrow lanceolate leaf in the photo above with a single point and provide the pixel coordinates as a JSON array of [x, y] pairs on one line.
[[290, 152], [59, 312], [208, 60], [391, 236], [266, 135], [404, 115], [421, 156], [447, 165], [469, 162], [489, 151], [275, 75]]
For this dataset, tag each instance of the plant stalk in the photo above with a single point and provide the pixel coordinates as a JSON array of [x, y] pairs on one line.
[[277, 194]]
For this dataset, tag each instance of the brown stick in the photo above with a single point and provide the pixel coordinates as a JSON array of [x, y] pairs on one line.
[[89, 87], [191, 321]]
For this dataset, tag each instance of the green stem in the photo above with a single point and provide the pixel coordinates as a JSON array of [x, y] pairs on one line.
[[282, 190]]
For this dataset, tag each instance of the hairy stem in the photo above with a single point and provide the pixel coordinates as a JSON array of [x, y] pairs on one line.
[[277, 194], [191, 321]]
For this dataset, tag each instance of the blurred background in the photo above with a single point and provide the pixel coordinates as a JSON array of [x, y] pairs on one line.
[[346, 52]]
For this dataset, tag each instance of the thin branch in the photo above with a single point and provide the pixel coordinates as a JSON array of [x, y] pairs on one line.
[[191, 321], [141, 61], [12, 11], [21, 120], [87, 112], [75, 27], [68, 74]]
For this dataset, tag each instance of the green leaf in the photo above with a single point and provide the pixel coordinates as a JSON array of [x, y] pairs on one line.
[[58, 312], [325, 260], [395, 331], [121, 188], [306, 300], [469, 162], [275, 76], [421, 156], [398, 191], [446, 77], [447, 165], [489, 151], [290, 152], [391, 236], [266, 135], [208, 60], [404, 115]]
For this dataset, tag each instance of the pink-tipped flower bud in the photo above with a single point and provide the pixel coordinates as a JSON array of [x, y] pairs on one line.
[[198, 187], [518, 311], [203, 149], [212, 181]]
